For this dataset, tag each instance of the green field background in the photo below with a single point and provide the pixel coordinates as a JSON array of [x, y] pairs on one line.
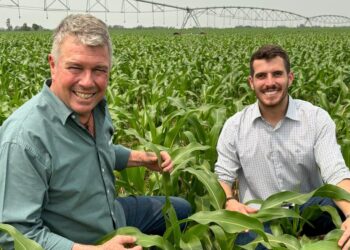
[[174, 92], [157, 72]]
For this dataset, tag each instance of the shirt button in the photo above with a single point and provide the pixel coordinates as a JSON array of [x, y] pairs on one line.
[[103, 170], [107, 191], [73, 116]]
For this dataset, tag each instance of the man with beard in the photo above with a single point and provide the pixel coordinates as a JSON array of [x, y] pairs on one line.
[[279, 144]]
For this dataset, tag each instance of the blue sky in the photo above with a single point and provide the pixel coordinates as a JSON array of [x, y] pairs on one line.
[[51, 19]]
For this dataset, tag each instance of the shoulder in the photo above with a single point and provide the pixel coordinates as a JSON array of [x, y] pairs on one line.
[[26, 132], [312, 116], [23, 121], [245, 115], [240, 119], [309, 109]]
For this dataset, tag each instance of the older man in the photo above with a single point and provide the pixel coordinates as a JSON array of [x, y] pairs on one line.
[[57, 157]]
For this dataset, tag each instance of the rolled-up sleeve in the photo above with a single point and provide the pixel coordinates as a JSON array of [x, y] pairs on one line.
[[327, 151], [24, 177], [122, 156], [228, 162]]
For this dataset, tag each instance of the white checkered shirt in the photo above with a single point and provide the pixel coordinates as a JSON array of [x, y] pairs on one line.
[[299, 154]]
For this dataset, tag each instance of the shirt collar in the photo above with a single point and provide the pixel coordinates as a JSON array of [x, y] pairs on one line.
[[61, 110], [292, 111], [256, 111]]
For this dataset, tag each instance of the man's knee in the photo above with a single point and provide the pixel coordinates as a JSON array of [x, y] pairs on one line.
[[182, 207]]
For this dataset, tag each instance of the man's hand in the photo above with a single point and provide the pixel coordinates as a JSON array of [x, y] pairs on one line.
[[234, 205], [166, 165], [119, 242], [344, 241], [150, 160]]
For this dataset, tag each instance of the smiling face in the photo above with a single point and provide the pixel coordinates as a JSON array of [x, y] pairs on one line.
[[270, 83], [80, 75]]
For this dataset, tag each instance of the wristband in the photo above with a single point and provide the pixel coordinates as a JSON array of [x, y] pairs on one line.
[[230, 198]]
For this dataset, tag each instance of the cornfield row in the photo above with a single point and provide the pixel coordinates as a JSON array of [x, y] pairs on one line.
[[175, 92]]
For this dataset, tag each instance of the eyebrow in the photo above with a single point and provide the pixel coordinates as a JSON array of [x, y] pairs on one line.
[[260, 74], [72, 64], [265, 73], [98, 66], [101, 67]]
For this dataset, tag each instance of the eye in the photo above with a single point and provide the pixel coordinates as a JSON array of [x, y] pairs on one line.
[[74, 69], [260, 76], [278, 73], [101, 71]]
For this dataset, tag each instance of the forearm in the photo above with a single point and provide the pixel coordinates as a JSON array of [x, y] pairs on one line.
[[77, 246], [227, 189], [140, 158]]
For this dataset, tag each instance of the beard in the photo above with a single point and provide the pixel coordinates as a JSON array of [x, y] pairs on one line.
[[273, 96]]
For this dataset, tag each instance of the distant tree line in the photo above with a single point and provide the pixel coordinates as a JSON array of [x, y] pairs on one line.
[[24, 27]]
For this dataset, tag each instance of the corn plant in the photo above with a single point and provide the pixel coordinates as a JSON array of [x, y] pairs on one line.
[[174, 93], [20, 241]]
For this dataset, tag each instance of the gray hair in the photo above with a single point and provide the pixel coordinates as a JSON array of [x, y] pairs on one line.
[[88, 29]]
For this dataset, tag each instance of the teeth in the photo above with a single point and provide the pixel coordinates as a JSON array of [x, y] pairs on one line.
[[83, 95], [270, 91]]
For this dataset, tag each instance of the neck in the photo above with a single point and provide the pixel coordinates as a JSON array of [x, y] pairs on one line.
[[84, 119], [88, 123], [274, 114]]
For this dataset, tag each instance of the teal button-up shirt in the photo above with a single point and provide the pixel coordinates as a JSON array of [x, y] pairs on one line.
[[56, 181]]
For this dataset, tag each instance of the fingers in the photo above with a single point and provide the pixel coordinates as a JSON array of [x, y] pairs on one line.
[[121, 242], [344, 241], [136, 248], [167, 164], [125, 239], [251, 210], [243, 210], [235, 205], [248, 210]]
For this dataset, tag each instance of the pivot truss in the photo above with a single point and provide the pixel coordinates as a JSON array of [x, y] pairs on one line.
[[171, 15]]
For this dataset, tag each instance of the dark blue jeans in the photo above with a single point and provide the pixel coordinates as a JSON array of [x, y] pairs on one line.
[[322, 224], [145, 212]]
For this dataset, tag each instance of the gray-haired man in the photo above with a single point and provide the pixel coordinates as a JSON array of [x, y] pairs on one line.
[[57, 157]]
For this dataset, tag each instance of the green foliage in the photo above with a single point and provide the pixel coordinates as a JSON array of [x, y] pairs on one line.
[[174, 93], [142, 239], [218, 229], [20, 241]]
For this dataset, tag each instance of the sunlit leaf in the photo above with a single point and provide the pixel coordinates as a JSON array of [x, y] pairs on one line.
[[20, 241]]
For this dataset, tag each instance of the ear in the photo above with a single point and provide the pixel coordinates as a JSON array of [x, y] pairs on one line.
[[251, 82], [290, 78], [52, 65]]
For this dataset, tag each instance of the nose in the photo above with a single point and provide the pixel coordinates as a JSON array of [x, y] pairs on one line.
[[87, 79], [269, 80]]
